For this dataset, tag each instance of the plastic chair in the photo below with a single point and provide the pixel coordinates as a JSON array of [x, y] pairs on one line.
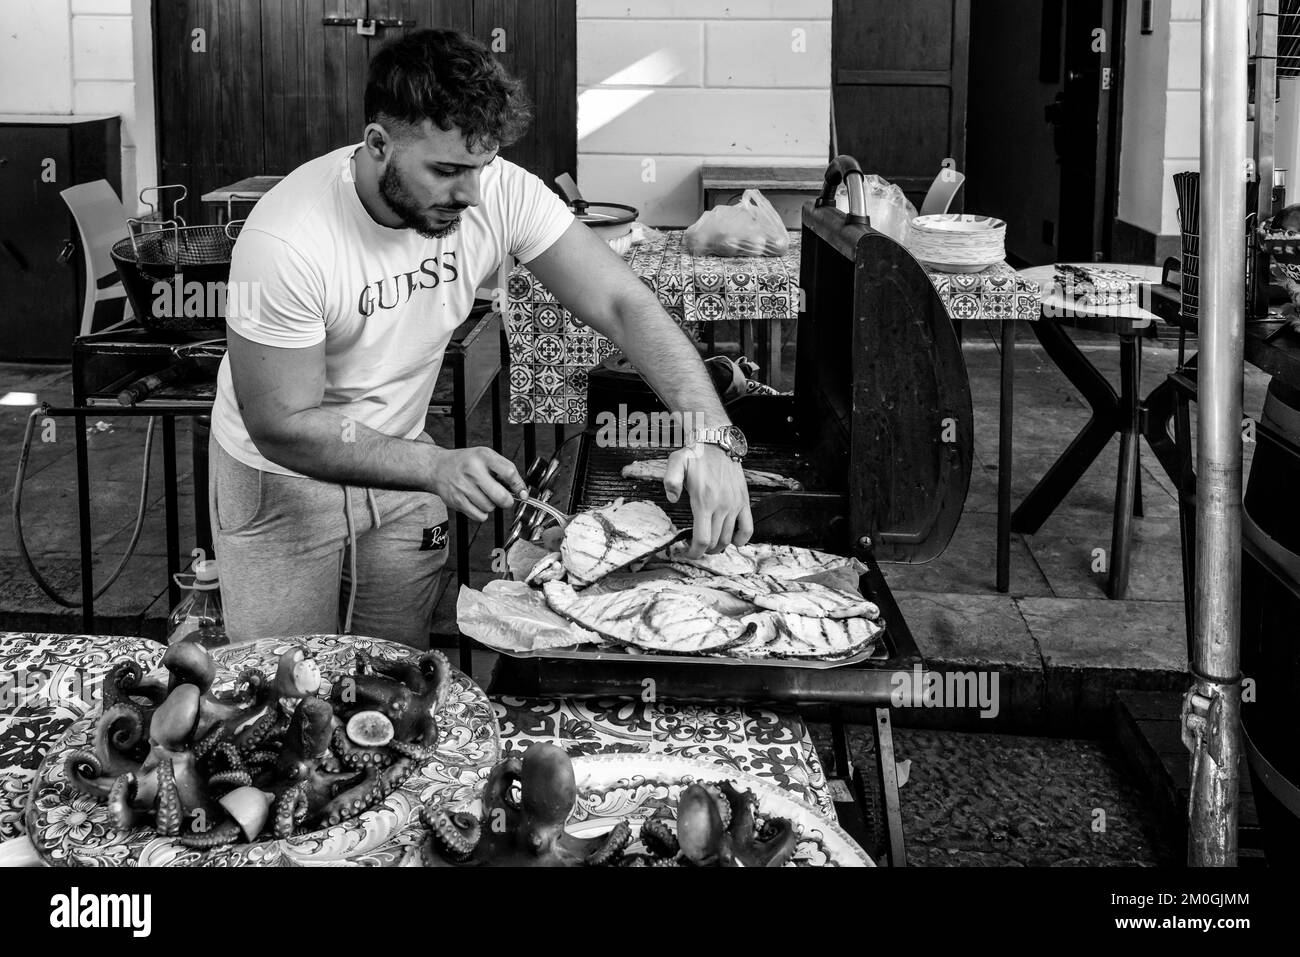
[[101, 221], [942, 191]]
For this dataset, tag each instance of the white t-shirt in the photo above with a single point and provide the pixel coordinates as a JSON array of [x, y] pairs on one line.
[[311, 265]]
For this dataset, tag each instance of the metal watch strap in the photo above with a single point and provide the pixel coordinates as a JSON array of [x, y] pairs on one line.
[[713, 437]]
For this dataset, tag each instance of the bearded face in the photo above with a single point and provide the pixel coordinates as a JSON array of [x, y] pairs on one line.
[[433, 214]]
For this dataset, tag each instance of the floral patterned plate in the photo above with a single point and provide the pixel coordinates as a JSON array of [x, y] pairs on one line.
[[69, 828], [636, 787]]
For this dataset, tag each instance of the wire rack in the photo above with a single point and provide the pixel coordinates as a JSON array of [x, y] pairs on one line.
[[1288, 38]]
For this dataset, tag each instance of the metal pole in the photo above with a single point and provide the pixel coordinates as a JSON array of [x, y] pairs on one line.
[[1212, 707]]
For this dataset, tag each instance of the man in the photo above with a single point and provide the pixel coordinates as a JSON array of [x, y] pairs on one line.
[[326, 495]]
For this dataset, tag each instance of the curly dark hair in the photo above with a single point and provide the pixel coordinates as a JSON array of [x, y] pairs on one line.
[[451, 79]]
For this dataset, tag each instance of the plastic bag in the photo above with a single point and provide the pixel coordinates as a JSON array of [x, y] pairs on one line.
[[511, 617], [752, 227], [889, 210]]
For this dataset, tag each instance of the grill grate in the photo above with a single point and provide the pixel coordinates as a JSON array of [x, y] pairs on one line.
[[602, 481]]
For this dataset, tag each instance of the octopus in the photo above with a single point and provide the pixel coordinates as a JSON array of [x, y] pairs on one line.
[[526, 803], [273, 756], [716, 827]]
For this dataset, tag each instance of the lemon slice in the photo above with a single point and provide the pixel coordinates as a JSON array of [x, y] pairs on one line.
[[369, 729]]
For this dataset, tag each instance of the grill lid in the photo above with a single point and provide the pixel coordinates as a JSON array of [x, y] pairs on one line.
[[881, 390]]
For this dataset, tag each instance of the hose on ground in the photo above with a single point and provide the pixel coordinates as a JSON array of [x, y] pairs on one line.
[[45, 586]]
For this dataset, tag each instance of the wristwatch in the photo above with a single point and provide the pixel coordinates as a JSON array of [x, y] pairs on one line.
[[728, 438]]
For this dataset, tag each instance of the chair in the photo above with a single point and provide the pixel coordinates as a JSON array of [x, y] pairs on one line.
[[942, 191], [101, 221]]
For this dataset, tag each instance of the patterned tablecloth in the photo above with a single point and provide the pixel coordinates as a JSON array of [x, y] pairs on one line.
[[997, 293], [551, 352], [49, 681]]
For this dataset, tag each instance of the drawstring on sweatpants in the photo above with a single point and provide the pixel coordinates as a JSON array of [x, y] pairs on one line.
[[373, 505]]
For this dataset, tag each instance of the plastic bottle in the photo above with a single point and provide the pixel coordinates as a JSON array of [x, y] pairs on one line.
[[198, 617]]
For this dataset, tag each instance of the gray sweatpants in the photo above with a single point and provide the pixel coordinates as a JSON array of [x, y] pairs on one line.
[[285, 555]]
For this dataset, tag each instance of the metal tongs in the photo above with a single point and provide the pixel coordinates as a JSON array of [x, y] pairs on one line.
[[550, 510], [537, 481]]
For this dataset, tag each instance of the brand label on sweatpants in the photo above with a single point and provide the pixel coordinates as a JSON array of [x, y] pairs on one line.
[[435, 539]]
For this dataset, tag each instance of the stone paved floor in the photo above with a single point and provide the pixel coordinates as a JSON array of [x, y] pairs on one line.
[[1002, 800]]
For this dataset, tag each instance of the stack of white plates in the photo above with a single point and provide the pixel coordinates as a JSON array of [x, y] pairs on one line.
[[958, 242]]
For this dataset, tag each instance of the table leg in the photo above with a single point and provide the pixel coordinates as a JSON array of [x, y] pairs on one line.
[[1087, 445], [1186, 514], [888, 772], [201, 431], [530, 444], [1006, 408], [498, 515], [172, 509], [1126, 480], [460, 438], [83, 527], [843, 768], [771, 352]]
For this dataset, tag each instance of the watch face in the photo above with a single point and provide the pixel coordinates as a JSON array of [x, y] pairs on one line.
[[737, 444]]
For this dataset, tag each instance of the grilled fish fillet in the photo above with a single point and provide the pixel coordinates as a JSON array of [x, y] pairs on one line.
[[548, 568], [649, 470], [810, 599], [785, 562], [784, 635], [606, 539], [649, 617]]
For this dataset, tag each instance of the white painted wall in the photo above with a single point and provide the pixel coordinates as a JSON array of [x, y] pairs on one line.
[[665, 86], [85, 57]]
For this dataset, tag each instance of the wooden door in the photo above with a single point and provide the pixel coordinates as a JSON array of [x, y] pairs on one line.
[[265, 86], [208, 81], [1044, 122], [541, 48], [899, 87]]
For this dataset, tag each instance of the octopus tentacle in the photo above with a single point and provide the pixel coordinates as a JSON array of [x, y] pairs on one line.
[[87, 775], [357, 757], [169, 815], [209, 742], [415, 752], [290, 809], [613, 846], [259, 758], [119, 801], [376, 786], [234, 778], [260, 730], [456, 834], [227, 832], [659, 838], [121, 737]]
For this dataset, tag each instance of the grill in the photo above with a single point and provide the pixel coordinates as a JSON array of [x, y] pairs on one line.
[[601, 481], [878, 430]]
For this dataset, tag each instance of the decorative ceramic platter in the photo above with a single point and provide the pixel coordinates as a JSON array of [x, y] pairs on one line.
[[637, 787], [69, 828]]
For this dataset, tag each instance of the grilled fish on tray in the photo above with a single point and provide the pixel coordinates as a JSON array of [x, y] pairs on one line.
[[622, 575], [652, 617], [607, 539]]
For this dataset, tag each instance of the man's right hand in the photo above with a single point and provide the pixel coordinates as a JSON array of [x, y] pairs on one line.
[[475, 481]]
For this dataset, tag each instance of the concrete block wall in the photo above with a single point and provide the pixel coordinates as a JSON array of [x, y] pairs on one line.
[[84, 57], [665, 86], [1162, 113]]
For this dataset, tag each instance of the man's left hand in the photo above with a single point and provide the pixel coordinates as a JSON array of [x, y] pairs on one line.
[[719, 497]]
